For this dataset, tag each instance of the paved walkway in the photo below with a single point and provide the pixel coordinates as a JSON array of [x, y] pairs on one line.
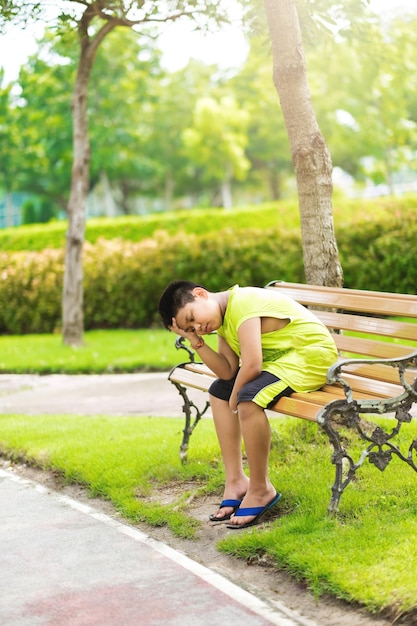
[[115, 394], [62, 563]]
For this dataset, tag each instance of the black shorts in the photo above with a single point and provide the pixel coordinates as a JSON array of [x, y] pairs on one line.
[[265, 390]]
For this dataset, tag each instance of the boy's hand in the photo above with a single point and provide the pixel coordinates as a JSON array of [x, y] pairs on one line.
[[176, 329], [233, 402], [191, 336]]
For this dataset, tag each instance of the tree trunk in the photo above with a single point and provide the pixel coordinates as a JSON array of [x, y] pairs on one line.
[[311, 158], [72, 295], [72, 304]]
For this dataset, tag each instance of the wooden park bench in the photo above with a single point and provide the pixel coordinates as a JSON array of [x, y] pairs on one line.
[[376, 375]]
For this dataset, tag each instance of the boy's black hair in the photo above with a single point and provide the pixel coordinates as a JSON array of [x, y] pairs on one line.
[[174, 297]]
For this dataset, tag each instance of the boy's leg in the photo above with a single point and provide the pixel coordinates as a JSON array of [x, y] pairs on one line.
[[256, 433], [230, 440]]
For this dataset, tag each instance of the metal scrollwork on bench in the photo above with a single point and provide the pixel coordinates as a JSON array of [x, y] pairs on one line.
[[347, 412], [180, 345], [188, 405]]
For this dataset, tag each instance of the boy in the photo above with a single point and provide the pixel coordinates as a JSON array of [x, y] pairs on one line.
[[268, 346]]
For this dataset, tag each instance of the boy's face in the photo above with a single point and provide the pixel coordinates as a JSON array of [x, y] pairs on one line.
[[203, 315]]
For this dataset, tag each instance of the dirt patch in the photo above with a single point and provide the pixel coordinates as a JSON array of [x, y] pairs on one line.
[[258, 577]]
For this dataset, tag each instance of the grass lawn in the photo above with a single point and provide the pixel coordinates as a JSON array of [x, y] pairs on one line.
[[104, 351]]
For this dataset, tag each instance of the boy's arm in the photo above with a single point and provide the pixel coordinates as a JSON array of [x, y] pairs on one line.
[[249, 335], [224, 363]]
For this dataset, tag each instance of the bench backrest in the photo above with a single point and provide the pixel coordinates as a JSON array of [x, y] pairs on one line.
[[352, 313]]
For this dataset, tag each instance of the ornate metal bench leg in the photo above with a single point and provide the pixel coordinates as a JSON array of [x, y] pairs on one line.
[[339, 454], [380, 446], [187, 407]]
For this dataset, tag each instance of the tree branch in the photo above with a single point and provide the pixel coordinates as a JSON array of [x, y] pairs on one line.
[[99, 9]]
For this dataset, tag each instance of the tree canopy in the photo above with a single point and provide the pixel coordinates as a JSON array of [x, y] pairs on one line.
[[96, 108], [140, 113]]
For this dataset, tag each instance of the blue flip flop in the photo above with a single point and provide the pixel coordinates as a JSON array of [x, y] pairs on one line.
[[235, 504], [257, 511]]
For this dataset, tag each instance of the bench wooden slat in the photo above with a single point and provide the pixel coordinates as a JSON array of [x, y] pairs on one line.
[[363, 387], [308, 405], [369, 325], [371, 348], [377, 371], [200, 368], [323, 396], [344, 299], [372, 387], [184, 377], [302, 287], [297, 408]]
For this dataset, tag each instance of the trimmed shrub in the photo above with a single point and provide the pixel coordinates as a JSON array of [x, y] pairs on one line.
[[283, 214], [30, 291], [380, 256], [138, 227], [123, 279]]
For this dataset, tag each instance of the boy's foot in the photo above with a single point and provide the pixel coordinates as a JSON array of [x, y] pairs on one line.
[[252, 515], [233, 495], [231, 507]]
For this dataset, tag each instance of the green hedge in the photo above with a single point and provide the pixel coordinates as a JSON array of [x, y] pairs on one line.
[[347, 213], [138, 227], [123, 279], [382, 257], [30, 291]]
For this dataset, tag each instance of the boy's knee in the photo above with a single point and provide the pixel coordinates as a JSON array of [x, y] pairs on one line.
[[247, 409]]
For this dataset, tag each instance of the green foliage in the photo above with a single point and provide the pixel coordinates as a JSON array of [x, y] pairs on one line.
[[33, 237], [123, 280], [370, 99], [139, 112], [37, 211], [372, 215], [217, 140], [123, 85], [30, 291], [123, 277], [136, 228], [268, 149], [380, 254]]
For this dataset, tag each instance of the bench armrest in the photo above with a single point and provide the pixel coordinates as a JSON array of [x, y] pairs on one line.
[[179, 344], [334, 374]]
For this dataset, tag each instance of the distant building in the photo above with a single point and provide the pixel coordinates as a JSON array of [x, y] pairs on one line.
[[11, 209]]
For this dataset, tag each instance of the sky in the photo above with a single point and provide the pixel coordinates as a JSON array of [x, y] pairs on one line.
[[230, 47], [226, 49], [178, 43]]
